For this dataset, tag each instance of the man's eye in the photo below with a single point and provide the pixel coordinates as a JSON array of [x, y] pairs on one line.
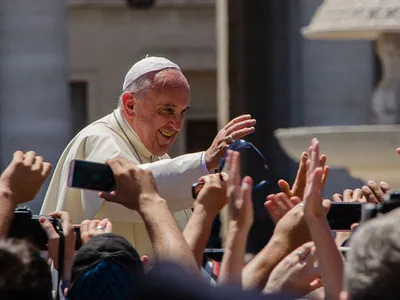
[[169, 111]]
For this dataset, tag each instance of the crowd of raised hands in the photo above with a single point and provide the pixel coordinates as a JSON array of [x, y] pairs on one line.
[[301, 260]]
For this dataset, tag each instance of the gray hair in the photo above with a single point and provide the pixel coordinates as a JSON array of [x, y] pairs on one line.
[[139, 86], [372, 268]]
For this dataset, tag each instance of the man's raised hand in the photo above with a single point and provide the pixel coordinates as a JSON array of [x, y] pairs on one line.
[[133, 185], [24, 176]]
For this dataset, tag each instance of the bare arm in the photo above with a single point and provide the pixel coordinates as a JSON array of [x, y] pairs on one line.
[[209, 202], [240, 220], [168, 242]]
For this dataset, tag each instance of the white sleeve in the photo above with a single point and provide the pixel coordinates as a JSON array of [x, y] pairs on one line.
[[174, 177]]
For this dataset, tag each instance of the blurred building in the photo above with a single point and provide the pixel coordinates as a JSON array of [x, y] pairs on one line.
[[106, 38]]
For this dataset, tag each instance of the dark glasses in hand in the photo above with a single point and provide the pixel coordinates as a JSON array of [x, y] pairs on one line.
[[238, 145]]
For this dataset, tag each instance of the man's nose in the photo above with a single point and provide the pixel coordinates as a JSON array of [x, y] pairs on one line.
[[177, 123]]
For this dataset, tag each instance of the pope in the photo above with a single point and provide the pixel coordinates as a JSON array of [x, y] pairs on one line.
[[150, 114]]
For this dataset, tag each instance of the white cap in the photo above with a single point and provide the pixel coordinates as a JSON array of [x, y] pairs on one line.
[[147, 65]]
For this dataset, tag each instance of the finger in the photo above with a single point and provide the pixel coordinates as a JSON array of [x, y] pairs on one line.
[[326, 205], [376, 189], [228, 162], [285, 200], [18, 156], [315, 284], [302, 252], [369, 195], [284, 187], [46, 169], [236, 168], [65, 220], [325, 174], [322, 161], [38, 163], [337, 198], [295, 200], [354, 226], [314, 156], [110, 197], [246, 188], [84, 226], [103, 223], [357, 195], [280, 206], [384, 187], [311, 257], [348, 195], [237, 120], [115, 165], [48, 228], [29, 158], [93, 224], [300, 181], [273, 211], [108, 227], [238, 134]]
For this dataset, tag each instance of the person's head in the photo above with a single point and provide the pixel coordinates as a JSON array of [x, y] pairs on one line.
[[106, 267], [154, 101], [24, 274], [372, 269]]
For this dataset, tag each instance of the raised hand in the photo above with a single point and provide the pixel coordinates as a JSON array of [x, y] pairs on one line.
[[313, 202], [296, 274], [240, 208], [235, 129], [24, 176], [300, 181], [54, 241], [279, 204], [213, 195], [91, 228], [134, 185], [373, 192]]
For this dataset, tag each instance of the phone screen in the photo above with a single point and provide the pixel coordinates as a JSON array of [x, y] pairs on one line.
[[92, 176], [342, 215]]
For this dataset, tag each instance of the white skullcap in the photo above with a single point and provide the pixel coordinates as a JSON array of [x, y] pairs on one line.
[[147, 65]]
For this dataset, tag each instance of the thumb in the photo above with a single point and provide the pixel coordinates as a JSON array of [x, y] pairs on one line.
[[326, 204], [48, 228], [315, 284], [110, 197]]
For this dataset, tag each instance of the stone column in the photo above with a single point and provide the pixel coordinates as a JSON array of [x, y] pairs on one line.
[[386, 98], [34, 99]]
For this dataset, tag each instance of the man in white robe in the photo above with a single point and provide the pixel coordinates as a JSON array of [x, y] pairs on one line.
[[144, 126]]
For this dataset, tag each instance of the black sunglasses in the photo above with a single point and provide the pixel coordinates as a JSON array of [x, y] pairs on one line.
[[237, 145]]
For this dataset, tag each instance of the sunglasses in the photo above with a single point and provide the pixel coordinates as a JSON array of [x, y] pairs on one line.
[[237, 145]]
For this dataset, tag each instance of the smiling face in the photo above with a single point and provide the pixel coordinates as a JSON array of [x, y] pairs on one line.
[[158, 116]]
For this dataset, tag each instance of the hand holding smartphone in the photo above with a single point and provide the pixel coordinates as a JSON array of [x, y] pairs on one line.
[[91, 176]]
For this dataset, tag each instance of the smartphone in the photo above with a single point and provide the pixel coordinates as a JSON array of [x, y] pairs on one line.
[[343, 214], [90, 175]]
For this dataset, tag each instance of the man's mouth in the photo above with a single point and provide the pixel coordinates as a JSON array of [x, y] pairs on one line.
[[167, 134]]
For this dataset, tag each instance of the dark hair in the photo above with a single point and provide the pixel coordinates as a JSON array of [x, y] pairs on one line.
[[24, 274]]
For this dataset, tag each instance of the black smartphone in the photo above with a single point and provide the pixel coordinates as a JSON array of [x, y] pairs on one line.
[[343, 214], [90, 175]]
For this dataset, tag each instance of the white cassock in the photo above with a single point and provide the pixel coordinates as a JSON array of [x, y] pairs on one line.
[[112, 137]]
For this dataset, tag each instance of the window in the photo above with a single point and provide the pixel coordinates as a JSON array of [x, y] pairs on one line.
[[78, 105]]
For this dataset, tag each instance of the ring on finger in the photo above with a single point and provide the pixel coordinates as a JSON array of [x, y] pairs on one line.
[[300, 255], [229, 139], [99, 227]]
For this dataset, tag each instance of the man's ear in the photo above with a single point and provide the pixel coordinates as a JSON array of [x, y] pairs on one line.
[[128, 104]]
